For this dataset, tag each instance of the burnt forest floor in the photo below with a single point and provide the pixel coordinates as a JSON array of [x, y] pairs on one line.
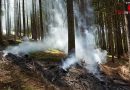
[[41, 71]]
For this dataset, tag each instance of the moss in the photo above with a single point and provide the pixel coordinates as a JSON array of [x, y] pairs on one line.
[[49, 55], [28, 88]]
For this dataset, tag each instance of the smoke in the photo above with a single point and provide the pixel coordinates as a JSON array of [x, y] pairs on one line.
[[56, 37], [71, 60], [87, 54]]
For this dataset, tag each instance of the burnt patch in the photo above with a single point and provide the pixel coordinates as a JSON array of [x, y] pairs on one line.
[[76, 78]]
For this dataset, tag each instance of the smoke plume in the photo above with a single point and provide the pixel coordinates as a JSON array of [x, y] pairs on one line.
[[57, 38], [87, 53]]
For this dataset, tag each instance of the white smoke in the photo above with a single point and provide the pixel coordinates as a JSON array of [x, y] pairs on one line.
[[87, 53], [57, 38], [25, 47], [57, 33], [71, 60]]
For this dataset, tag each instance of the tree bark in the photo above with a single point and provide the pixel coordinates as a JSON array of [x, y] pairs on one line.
[[41, 19], [24, 31], [1, 38], [127, 21], [71, 32]]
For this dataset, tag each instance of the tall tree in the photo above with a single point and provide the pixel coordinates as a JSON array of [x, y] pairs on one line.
[[8, 19], [23, 7], [71, 32], [33, 21], [19, 19], [41, 19], [0, 22], [128, 31]]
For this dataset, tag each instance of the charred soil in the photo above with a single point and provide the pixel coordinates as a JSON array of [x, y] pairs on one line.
[[27, 73]]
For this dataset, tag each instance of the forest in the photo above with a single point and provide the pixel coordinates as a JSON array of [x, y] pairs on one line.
[[64, 44]]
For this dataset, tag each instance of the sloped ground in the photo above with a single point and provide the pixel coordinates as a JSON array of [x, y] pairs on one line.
[[119, 69], [41, 71], [12, 78]]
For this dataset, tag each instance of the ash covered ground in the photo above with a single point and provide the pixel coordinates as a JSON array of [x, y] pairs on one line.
[[52, 77]]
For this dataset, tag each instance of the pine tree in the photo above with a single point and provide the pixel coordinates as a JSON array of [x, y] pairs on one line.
[[71, 32]]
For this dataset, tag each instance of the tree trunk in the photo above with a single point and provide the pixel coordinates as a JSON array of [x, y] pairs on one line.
[[71, 32], [8, 17], [127, 19], [41, 19], [0, 24], [33, 20], [19, 20], [24, 31]]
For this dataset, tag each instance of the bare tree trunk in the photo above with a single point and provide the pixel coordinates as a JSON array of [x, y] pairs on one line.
[[19, 20], [41, 19], [24, 31], [112, 41], [127, 21], [128, 37], [28, 30], [128, 18], [8, 17], [71, 32], [33, 21], [1, 38], [15, 15]]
